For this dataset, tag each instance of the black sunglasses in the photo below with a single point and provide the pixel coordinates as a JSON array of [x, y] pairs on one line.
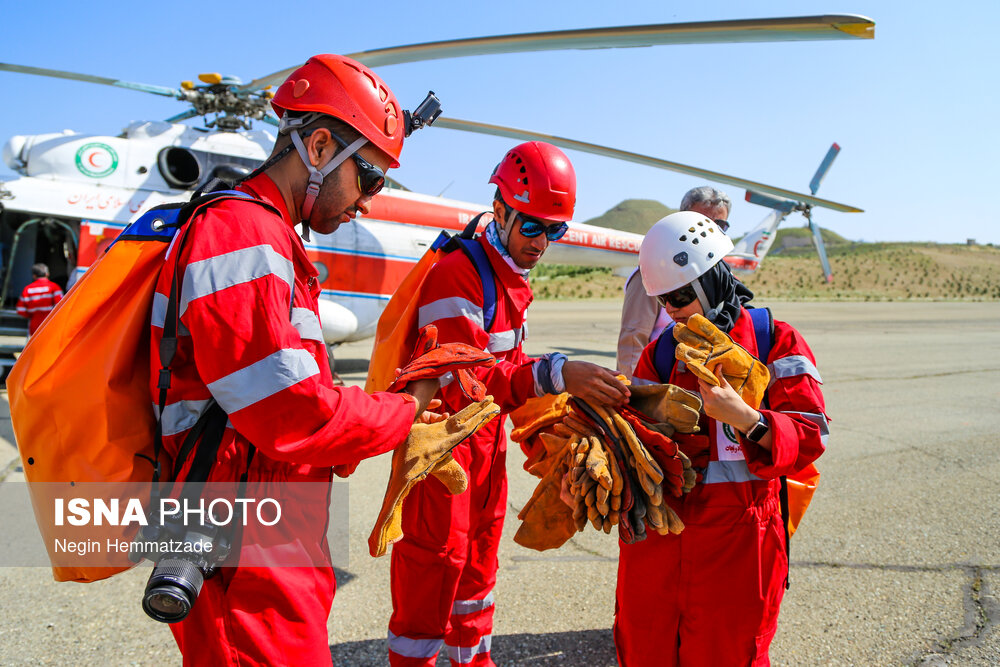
[[723, 224], [371, 179], [530, 227], [678, 298]]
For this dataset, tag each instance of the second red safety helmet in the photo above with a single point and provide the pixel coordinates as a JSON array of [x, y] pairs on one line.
[[537, 179], [345, 89]]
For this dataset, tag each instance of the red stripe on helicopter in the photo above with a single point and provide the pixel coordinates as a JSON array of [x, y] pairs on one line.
[[389, 208], [347, 272]]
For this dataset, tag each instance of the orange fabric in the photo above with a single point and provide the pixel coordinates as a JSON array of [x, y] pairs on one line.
[[55, 377], [396, 334], [801, 487]]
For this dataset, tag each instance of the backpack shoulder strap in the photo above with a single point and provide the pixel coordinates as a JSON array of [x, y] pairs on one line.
[[763, 331], [663, 353], [466, 241], [475, 252]]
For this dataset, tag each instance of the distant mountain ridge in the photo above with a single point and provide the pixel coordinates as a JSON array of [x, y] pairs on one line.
[[638, 215], [632, 215]]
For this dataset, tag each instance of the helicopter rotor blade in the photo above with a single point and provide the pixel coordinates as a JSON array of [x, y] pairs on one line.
[[73, 76], [817, 236], [800, 28], [184, 115], [524, 135], [824, 167]]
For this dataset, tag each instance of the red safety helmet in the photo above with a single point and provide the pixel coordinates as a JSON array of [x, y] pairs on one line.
[[538, 180], [345, 89]]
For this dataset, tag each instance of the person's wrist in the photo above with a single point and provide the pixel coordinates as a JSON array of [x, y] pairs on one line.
[[747, 424]]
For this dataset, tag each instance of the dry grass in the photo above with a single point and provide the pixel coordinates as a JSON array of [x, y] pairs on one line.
[[862, 272]]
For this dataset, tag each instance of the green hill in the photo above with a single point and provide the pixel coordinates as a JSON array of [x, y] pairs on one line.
[[632, 215]]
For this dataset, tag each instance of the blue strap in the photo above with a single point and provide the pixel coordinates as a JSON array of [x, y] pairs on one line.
[[475, 252], [666, 346]]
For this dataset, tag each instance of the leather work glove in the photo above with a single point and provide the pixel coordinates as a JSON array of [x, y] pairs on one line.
[[546, 521], [431, 360], [427, 450], [667, 403], [703, 347]]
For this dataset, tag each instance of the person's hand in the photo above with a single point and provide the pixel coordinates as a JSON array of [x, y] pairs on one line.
[[423, 391], [594, 384], [430, 417], [724, 404]]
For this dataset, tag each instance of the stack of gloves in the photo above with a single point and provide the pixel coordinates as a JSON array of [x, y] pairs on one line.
[[610, 467]]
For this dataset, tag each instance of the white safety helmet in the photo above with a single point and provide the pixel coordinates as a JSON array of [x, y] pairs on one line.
[[678, 249]]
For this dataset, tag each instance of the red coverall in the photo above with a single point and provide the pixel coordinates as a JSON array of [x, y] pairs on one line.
[[710, 595], [444, 569], [37, 301], [254, 344]]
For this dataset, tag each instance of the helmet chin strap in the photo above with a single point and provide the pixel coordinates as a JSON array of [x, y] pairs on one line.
[[706, 307], [316, 176], [507, 226]]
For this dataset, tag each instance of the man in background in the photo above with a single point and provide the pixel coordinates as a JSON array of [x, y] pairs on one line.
[[38, 298]]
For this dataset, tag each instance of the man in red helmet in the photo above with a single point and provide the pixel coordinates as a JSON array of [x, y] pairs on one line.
[[250, 341], [444, 569]]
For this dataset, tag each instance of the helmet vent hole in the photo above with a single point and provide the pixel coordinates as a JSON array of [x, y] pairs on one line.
[[692, 230], [523, 170], [694, 241], [711, 255], [704, 235], [683, 238]]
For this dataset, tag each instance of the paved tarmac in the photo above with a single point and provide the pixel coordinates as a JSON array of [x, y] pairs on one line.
[[896, 563]]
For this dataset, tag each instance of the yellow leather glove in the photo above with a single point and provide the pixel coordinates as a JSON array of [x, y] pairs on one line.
[[546, 520], [427, 450], [666, 403], [703, 347]]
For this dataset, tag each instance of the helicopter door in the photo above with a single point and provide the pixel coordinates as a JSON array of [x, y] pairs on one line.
[[40, 240]]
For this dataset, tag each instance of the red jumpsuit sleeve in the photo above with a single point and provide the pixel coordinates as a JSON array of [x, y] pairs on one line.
[[235, 302], [795, 410], [451, 298]]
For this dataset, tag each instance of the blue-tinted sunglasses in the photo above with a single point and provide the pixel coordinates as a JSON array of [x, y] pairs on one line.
[[530, 228]]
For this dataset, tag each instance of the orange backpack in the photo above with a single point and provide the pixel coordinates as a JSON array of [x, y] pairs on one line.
[[79, 393], [396, 333]]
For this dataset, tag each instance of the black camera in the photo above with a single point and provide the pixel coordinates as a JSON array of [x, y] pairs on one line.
[[185, 556], [425, 114]]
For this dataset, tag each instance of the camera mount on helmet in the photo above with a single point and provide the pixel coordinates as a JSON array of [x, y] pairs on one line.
[[425, 114]]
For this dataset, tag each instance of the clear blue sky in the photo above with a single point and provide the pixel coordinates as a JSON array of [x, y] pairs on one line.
[[915, 110]]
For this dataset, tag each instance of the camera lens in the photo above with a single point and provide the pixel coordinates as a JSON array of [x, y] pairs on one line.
[[172, 590]]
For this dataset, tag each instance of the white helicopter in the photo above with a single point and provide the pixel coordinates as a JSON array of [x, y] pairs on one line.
[[75, 192]]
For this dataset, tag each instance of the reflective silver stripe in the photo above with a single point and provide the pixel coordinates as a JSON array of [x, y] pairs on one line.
[[180, 416], [727, 471], [454, 306], [159, 315], [816, 418], [502, 341], [464, 654], [414, 648], [470, 606], [642, 381], [264, 378], [793, 365], [446, 379], [307, 324], [215, 274]]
